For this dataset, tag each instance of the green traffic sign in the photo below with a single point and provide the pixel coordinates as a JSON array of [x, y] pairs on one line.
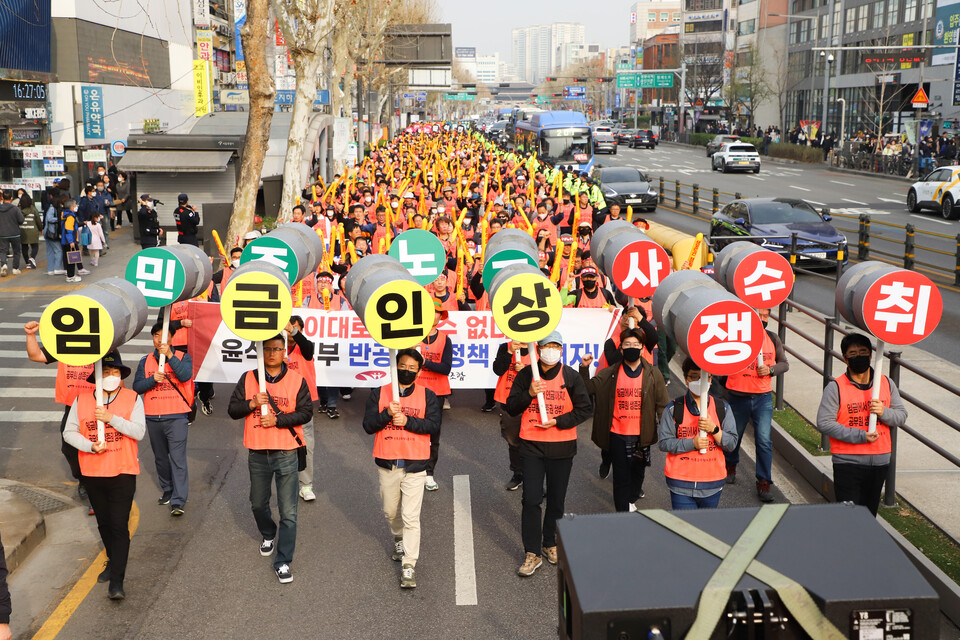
[[460, 97], [626, 81], [158, 275], [645, 80], [276, 252], [502, 260], [421, 253]]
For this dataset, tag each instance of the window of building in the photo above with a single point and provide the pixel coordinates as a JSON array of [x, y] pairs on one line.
[[745, 1], [928, 10], [652, 16], [878, 14], [703, 5], [863, 16], [676, 15], [703, 27], [850, 24], [910, 11], [804, 31], [893, 12], [824, 21], [836, 20], [664, 16], [746, 27], [794, 26]]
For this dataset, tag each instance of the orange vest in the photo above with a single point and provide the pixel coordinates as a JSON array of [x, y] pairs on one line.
[[626, 404], [227, 272], [646, 307], [179, 311], [439, 384], [855, 413], [505, 383], [284, 394], [591, 303], [450, 304], [483, 304], [558, 402], [71, 382], [121, 454], [748, 381], [163, 399], [396, 443], [296, 362], [546, 223], [305, 291], [694, 466]]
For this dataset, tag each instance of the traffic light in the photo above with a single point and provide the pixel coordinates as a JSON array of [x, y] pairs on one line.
[[551, 79], [579, 79], [607, 79], [557, 95]]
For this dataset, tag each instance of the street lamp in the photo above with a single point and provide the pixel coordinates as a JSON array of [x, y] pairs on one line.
[[826, 86], [843, 117]]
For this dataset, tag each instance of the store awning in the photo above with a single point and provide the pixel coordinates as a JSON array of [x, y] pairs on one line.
[[174, 161]]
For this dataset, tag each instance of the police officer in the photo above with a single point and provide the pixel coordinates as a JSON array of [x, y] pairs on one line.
[[187, 220], [150, 231]]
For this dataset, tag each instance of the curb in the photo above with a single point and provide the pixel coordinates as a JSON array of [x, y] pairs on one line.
[[21, 525]]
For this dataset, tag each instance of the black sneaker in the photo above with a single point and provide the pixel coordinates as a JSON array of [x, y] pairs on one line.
[[116, 592], [283, 574], [488, 407], [105, 574], [604, 470], [266, 547], [333, 414], [206, 407], [515, 482], [176, 510], [763, 491], [165, 498], [82, 491]]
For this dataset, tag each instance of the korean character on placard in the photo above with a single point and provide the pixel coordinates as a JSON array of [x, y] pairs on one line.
[[230, 350], [357, 330], [155, 277], [458, 361], [533, 315], [258, 308], [478, 353], [459, 376], [328, 353], [359, 354], [251, 351], [448, 327], [381, 356], [337, 327], [76, 335], [477, 327]]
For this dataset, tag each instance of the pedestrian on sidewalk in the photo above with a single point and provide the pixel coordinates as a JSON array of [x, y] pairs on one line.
[[437, 352], [51, 237], [150, 231], [750, 396], [187, 219], [860, 457], [273, 439], [547, 447], [167, 402], [97, 239], [70, 238], [694, 443], [29, 230], [109, 467], [5, 608], [512, 357], [124, 199], [401, 452], [629, 398], [300, 351], [10, 220]]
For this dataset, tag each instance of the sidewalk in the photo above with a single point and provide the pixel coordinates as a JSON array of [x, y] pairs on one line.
[[924, 478]]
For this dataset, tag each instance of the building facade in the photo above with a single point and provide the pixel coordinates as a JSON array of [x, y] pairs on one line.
[[534, 49], [648, 19], [756, 90]]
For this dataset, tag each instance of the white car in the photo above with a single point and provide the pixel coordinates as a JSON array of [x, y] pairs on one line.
[[939, 191], [736, 156]]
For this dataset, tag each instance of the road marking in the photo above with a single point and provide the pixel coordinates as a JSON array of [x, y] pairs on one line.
[[464, 566], [61, 615], [862, 204], [799, 188], [32, 372], [889, 200], [846, 184], [819, 204], [19, 353], [756, 178], [32, 416], [23, 392], [929, 219]]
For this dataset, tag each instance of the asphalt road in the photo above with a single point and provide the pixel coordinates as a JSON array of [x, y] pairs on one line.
[[882, 198]]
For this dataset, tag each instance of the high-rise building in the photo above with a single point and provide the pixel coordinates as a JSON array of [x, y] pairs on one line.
[[534, 48], [488, 69]]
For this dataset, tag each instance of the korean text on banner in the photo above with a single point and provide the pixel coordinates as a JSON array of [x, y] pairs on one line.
[[202, 100], [92, 98]]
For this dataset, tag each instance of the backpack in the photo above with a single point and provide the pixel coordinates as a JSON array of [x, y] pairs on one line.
[[679, 403]]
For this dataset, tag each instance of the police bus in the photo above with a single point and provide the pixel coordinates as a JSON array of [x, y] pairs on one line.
[[558, 137]]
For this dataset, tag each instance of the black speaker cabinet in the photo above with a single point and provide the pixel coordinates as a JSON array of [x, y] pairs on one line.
[[625, 577]]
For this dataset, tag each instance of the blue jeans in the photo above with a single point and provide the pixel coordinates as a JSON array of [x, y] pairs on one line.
[[329, 395], [281, 465], [756, 408], [679, 502]]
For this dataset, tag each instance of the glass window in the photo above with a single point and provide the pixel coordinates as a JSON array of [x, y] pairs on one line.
[[850, 24], [664, 16], [823, 26], [676, 15], [910, 11], [703, 27], [893, 11], [794, 26], [746, 27], [863, 16], [652, 16], [878, 14]]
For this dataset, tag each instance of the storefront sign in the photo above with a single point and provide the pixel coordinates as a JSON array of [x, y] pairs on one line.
[[53, 165], [202, 99], [92, 97], [204, 44]]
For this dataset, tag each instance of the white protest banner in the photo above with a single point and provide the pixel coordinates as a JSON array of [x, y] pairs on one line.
[[346, 355]]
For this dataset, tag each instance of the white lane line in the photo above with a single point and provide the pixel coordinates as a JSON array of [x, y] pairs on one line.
[[819, 204], [846, 184], [756, 178], [889, 200], [11, 325], [464, 566], [799, 188], [21, 392], [862, 204], [48, 372], [929, 219], [19, 353], [32, 416]]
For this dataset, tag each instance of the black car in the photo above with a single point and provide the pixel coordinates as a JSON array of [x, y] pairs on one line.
[[643, 138], [628, 185], [626, 135], [772, 222], [714, 145]]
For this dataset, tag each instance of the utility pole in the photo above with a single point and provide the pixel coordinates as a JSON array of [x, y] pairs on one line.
[[682, 99]]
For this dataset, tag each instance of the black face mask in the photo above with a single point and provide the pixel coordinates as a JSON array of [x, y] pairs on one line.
[[859, 364], [589, 285], [406, 377], [631, 354], [764, 323]]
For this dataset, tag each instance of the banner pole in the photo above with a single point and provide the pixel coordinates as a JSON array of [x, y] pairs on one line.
[[261, 373], [165, 335], [877, 378], [532, 351], [704, 401], [98, 395], [394, 382]]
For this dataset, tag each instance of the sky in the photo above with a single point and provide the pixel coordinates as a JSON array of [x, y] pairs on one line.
[[486, 25]]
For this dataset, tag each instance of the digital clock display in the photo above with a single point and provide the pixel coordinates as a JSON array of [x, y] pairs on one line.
[[23, 90]]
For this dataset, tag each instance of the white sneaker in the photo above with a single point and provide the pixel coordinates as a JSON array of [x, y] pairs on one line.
[[74, 279], [632, 508], [307, 494], [52, 273], [16, 272], [83, 272], [431, 484], [59, 272], [446, 404], [3, 271]]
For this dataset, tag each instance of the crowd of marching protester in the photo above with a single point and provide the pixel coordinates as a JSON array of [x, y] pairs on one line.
[[465, 190]]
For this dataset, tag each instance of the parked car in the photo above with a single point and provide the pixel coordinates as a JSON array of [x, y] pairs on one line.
[[626, 135], [631, 186], [773, 221], [938, 191], [604, 140], [736, 156], [643, 138], [714, 145]]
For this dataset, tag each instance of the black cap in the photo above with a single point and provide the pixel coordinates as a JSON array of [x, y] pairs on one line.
[[144, 196], [182, 198], [112, 359]]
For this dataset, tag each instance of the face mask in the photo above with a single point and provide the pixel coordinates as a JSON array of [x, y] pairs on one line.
[[111, 383], [631, 354], [395, 205], [589, 285], [859, 364], [406, 377], [441, 209], [764, 323], [585, 234], [235, 263], [368, 199], [99, 188], [694, 386], [550, 355]]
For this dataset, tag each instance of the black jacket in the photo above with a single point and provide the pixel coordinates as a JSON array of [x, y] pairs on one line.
[[149, 224], [187, 220], [375, 420], [603, 388], [239, 407], [5, 607]]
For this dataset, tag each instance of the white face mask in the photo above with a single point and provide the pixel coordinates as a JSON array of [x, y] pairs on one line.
[[368, 199], [395, 205], [550, 355], [441, 209], [234, 263], [111, 383], [694, 386]]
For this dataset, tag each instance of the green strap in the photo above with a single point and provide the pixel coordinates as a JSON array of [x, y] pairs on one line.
[[792, 594]]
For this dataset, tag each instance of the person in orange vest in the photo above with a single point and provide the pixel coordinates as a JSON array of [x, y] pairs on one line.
[[695, 479], [167, 401], [300, 350], [273, 440], [547, 448], [446, 295], [751, 399], [860, 458], [437, 352], [401, 452], [109, 467], [220, 278], [629, 397], [71, 382], [591, 295], [512, 357]]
